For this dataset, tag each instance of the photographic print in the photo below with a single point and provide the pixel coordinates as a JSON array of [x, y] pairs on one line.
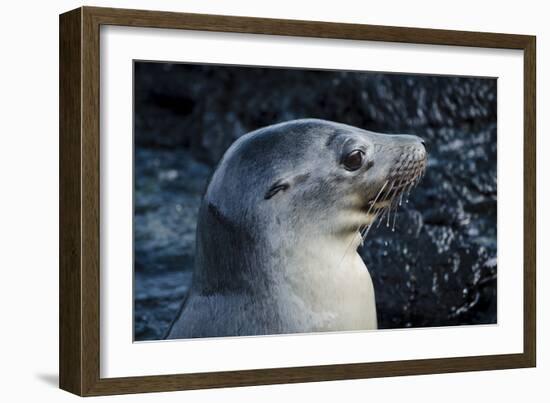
[[271, 200], [250, 201]]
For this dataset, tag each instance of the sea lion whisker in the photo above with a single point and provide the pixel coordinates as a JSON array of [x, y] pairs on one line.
[[373, 203], [376, 218], [364, 235], [358, 230], [384, 211], [394, 220], [375, 200], [390, 207], [387, 194]]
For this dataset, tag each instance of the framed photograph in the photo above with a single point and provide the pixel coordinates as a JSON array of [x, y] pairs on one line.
[[249, 201]]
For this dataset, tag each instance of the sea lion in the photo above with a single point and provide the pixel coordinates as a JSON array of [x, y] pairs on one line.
[[279, 227]]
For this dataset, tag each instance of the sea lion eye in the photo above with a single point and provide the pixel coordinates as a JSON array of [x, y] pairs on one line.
[[353, 160]]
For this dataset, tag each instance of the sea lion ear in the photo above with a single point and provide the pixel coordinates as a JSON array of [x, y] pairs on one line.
[[283, 184], [279, 186]]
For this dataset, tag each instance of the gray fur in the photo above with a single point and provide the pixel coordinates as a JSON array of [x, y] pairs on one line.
[[277, 214]]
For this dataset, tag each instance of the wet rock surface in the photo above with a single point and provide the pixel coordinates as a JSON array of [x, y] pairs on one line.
[[437, 268]]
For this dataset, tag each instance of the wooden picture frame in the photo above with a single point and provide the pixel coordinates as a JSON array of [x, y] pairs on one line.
[[79, 201]]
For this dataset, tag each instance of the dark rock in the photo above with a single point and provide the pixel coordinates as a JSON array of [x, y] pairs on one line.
[[439, 266]]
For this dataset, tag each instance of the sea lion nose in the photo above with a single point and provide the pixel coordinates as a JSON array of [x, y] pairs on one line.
[[421, 146]]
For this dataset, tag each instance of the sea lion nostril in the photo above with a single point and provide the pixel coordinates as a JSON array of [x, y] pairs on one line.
[[424, 148]]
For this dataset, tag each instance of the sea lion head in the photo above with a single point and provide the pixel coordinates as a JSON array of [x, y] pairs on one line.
[[312, 177]]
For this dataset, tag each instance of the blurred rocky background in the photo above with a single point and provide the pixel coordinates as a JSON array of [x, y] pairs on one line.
[[438, 268]]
